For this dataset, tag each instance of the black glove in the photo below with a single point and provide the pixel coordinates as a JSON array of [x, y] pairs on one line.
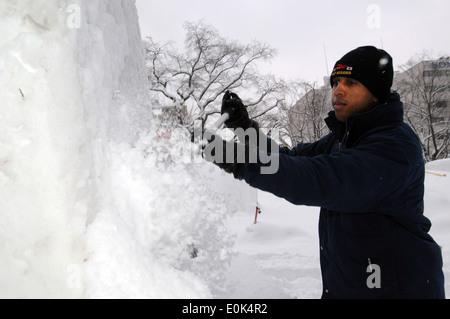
[[230, 156], [233, 105]]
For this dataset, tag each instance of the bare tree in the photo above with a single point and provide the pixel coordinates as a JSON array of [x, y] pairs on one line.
[[190, 84], [425, 89], [309, 107]]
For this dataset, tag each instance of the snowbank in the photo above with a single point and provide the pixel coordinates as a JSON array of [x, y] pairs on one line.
[[437, 203], [88, 208], [43, 129], [440, 165]]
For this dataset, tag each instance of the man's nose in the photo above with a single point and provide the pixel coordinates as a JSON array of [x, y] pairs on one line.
[[339, 89]]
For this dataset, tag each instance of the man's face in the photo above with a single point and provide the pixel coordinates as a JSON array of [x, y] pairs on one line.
[[350, 97]]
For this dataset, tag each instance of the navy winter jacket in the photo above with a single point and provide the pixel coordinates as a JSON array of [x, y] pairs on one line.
[[367, 176]]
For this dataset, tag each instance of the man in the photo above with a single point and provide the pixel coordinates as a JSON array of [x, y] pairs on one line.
[[367, 176]]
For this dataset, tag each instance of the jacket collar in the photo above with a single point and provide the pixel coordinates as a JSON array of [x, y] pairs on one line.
[[356, 125]]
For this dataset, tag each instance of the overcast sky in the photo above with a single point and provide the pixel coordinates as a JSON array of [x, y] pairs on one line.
[[303, 31]]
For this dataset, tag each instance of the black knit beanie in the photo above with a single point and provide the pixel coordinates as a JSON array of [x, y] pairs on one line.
[[371, 66]]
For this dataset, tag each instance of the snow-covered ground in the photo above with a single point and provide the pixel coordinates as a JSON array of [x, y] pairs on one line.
[[278, 256], [94, 200]]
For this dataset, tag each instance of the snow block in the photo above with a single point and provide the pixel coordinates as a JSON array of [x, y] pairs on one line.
[[73, 91]]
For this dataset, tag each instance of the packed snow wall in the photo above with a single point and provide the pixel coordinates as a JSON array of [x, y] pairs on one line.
[[87, 207]]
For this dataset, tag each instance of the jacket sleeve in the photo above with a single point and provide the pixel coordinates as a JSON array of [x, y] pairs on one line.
[[307, 149], [367, 178]]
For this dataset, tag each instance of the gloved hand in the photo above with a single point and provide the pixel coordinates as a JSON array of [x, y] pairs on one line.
[[232, 104], [230, 156]]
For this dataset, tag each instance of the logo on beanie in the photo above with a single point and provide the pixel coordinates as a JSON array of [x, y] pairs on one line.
[[342, 69]]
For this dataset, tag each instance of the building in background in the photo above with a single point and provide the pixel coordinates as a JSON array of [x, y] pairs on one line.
[[425, 91]]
